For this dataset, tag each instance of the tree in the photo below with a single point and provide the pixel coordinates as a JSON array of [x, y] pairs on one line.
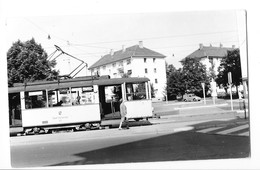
[[230, 63], [27, 61], [175, 82], [194, 73]]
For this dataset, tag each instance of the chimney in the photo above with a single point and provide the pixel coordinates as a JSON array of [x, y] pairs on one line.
[[141, 44], [220, 45], [201, 46], [123, 48], [233, 46], [111, 52]]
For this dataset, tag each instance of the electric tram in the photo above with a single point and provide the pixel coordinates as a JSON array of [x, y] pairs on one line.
[[79, 103]]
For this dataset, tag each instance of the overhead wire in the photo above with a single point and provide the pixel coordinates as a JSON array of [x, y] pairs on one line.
[[48, 33], [126, 40], [89, 45], [160, 37]]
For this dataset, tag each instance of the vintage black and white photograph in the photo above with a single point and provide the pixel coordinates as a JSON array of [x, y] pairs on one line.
[[102, 89]]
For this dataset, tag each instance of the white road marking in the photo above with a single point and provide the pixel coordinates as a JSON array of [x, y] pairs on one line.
[[233, 129], [187, 128], [244, 134], [209, 129]]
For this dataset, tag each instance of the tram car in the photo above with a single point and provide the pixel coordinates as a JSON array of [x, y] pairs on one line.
[[80, 102]]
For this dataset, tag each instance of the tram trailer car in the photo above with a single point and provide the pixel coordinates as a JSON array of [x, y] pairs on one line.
[[79, 103]]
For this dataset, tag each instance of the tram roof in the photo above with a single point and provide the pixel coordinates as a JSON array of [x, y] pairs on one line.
[[77, 82]]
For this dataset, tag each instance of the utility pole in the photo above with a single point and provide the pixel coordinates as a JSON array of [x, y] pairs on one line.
[[203, 87], [230, 87]]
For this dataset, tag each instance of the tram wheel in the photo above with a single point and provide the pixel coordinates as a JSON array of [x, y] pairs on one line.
[[137, 119], [88, 125], [36, 130], [99, 126]]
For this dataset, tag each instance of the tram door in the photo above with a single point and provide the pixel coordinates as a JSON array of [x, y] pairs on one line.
[[109, 97], [15, 117]]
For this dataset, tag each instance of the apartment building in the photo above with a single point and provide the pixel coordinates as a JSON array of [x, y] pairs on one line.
[[210, 56], [134, 61]]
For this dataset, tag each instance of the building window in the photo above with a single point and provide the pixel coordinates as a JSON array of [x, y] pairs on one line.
[[129, 72], [128, 61], [104, 67], [154, 60], [211, 61], [156, 81], [144, 60], [121, 70], [98, 71], [120, 63], [155, 91], [145, 70], [154, 70]]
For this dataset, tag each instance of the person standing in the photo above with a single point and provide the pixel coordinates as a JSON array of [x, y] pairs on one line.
[[123, 113]]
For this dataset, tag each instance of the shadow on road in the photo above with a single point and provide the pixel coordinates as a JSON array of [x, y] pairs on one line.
[[172, 147]]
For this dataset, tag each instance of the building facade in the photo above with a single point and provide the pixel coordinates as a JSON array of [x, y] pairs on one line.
[[134, 61], [211, 56]]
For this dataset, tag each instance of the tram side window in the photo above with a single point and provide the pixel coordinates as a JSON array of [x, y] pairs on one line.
[[64, 97], [135, 91], [35, 99], [73, 96], [53, 98], [82, 95]]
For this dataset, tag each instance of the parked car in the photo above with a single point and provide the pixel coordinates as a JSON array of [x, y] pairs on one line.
[[191, 97]]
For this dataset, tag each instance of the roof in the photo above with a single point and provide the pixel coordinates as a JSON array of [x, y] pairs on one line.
[[210, 52], [52, 85], [133, 51]]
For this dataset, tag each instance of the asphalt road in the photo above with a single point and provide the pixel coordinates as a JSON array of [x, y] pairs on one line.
[[160, 142]]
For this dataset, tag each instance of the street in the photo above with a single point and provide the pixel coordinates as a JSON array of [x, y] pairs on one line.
[[170, 138]]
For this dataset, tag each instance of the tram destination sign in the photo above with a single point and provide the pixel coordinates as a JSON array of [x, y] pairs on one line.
[[87, 89]]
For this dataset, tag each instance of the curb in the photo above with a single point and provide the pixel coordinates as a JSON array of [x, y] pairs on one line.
[[196, 115]]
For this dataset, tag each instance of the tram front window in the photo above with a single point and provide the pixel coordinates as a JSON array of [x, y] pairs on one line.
[[136, 91]]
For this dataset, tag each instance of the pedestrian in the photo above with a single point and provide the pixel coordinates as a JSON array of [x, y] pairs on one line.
[[123, 113]]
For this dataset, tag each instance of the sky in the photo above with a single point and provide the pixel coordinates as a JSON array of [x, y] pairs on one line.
[[88, 37]]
